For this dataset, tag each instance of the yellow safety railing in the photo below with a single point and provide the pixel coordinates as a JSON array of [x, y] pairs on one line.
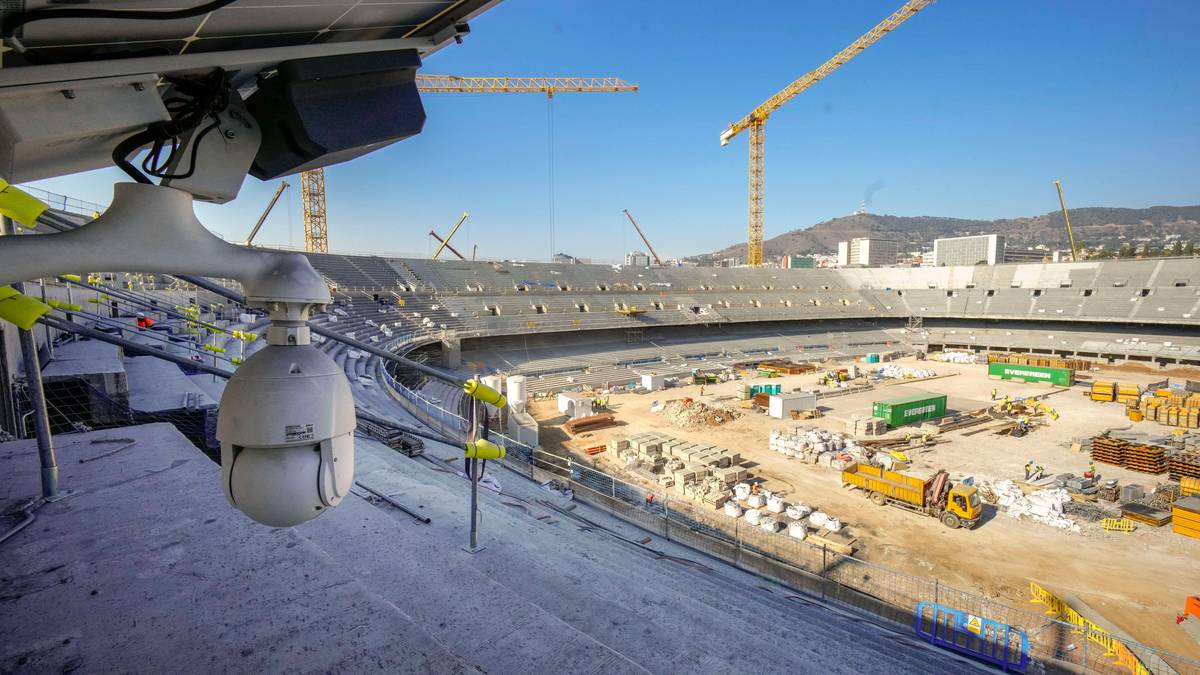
[[1118, 525], [1112, 646]]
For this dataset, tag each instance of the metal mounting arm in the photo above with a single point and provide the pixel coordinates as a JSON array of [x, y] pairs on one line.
[[153, 229]]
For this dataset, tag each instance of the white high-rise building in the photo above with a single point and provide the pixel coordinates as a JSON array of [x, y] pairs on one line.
[[987, 249], [637, 259]]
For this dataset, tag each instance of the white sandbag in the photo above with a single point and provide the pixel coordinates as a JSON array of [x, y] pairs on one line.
[[753, 516], [798, 530], [756, 501], [818, 519], [733, 509], [770, 524], [776, 504], [741, 491], [833, 525], [798, 511]]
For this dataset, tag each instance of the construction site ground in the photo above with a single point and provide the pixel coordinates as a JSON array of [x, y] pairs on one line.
[[1138, 581]]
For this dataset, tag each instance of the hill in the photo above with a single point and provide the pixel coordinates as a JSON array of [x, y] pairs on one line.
[[1093, 226]]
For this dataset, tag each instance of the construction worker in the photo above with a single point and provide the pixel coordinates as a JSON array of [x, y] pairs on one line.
[[701, 390], [754, 488], [993, 393], [1029, 469], [649, 500]]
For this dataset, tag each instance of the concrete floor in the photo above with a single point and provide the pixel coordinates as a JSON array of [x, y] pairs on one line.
[[144, 567]]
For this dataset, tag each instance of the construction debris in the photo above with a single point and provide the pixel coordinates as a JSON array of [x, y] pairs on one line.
[[690, 414], [1043, 506]]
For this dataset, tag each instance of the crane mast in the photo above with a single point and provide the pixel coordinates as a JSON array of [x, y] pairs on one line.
[[1067, 219], [757, 119]]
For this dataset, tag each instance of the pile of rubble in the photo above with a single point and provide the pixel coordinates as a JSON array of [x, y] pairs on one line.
[[688, 414], [816, 446], [1043, 506], [894, 372], [955, 357]]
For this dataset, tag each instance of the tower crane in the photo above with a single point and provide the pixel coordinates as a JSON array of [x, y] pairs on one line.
[[313, 189], [757, 119]]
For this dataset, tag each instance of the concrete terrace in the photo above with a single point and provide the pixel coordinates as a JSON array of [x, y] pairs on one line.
[[145, 567]]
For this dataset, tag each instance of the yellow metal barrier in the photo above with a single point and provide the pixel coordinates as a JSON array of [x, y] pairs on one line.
[[1118, 525], [1112, 646]]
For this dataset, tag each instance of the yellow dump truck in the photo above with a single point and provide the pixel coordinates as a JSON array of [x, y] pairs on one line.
[[955, 505]]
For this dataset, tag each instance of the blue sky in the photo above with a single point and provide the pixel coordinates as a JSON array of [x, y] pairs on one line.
[[970, 109]]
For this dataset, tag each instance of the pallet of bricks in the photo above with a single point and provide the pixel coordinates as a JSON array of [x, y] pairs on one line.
[[1173, 408], [1136, 456], [1044, 361]]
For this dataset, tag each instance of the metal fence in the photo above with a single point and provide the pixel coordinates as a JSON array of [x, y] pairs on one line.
[[454, 426], [65, 203], [848, 580]]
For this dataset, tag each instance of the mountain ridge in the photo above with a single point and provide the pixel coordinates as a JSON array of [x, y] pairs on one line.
[[1093, 226]]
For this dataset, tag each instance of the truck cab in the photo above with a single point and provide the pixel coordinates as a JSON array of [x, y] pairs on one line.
[[963, 502]]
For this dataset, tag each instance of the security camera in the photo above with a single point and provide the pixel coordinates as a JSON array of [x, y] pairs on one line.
[[286, 427]]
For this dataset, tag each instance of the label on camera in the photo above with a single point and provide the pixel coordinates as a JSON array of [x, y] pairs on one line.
[[298, 432]]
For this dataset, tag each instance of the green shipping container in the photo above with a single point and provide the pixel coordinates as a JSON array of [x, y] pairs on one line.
[[1011, 371], [898, 412]]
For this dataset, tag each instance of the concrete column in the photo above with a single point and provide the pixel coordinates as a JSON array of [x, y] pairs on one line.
[[451, 353]]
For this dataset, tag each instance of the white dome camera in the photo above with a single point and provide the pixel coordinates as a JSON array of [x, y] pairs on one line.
[[286, 427]]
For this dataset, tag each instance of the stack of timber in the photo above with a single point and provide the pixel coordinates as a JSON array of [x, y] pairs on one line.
[[1140, 457], [786, 367], [1185, 465], [1044, 361], [590, 423], [1185, 517], [1146, 515]]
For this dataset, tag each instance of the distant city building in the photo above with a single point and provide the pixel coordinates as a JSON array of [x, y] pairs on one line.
[[730, 262], [637, 259], [565, 259], [1030, 255], [798, 262], [867, 252], [987, 249]]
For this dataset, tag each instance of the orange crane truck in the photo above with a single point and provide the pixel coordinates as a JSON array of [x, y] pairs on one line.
[[954, 505]]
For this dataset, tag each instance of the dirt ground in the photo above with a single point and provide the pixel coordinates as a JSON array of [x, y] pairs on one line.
[[1139, 581]]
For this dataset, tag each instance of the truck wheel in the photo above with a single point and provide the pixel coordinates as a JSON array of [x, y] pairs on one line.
[[950, 520], [878, 499]]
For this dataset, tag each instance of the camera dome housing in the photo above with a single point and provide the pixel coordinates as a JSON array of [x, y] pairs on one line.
[[286, 427]]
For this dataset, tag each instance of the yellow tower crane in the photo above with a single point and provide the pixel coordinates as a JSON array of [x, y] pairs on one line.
[[757, 118], [313, 189]]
